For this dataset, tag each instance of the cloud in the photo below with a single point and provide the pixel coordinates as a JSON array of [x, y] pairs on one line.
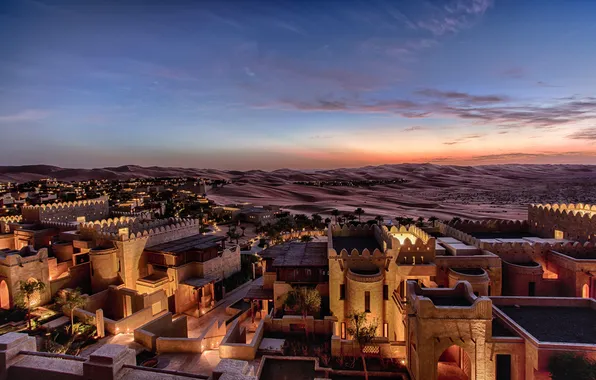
[[453, 17], [584, 134], [514, 73], [464, 139], [25, 115], [485, 109], [415, 128], [454, 95]]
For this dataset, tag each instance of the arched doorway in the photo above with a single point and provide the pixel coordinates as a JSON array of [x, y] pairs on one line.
[[4, 296], [454, 364], [586, 291]]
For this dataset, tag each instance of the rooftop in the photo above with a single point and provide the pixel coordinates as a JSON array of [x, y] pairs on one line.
[[188, 243], [294, 254], [555, 324], [355, 242]]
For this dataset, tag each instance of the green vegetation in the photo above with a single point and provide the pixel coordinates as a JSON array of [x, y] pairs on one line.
[[303, 300], [362, 331], [28, 289], [72, 300], [70, 339], [568, 365]]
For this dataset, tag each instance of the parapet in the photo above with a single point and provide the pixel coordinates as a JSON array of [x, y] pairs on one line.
[[580, 209], [458, 302], [23, 256], [63, 205]]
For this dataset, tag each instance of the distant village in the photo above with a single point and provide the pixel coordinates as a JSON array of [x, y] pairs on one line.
[[149, 278]]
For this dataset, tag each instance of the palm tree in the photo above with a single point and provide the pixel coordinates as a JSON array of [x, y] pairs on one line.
[[420, 221], [359, 212], [399, 220], [233, 234], [316, 220], [455, 219], [71, 301], [335, 214], [363, 332], [379, 219], [408, 221], [27, 289], [433, 220]]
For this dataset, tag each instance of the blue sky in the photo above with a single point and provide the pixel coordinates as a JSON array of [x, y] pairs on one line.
[[300, 84]]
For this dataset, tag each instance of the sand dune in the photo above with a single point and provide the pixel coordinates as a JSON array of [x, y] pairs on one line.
[[491, 191]]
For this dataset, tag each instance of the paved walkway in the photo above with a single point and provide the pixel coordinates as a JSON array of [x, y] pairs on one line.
[[197, 325], [121, 339]]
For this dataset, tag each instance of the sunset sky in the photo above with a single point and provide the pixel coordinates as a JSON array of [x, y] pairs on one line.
[[297, 84]]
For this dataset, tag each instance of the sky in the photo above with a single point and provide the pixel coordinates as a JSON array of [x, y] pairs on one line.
[[297, 84]]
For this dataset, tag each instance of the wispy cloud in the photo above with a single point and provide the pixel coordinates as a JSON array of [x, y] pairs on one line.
[[25, 115], [415, 128], [464, 139], [584, 134], [514, 73], [496, 110], [454, 16], [454, 95]]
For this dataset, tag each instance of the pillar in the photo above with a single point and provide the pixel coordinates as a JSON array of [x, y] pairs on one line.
[[100, 323], [107, 361]]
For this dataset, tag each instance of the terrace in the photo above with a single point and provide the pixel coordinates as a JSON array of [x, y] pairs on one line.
[[359, 243]]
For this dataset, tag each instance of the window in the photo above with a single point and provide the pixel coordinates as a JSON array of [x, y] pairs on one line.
[[532, 289], [367, 302], [386, 330], [343, 330], [342, 291], [385, 292]]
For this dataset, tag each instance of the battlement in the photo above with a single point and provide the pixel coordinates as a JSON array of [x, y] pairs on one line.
[[11, 219], [89, 209], [156, 231], [491, 225], [63, 205], [564, 206], [582, 210], [24, 256]]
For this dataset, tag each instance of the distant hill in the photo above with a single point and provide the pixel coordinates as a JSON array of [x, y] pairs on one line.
[[479, 192]]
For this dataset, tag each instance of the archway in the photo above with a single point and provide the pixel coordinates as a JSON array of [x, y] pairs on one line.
[[454, 364], [586, 291], [4, 296]]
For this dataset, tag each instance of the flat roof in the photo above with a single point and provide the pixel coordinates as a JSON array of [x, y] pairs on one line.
[[295, 254], [154, 277], [187, 243], [555, 323], [197, 282], [355, 242]]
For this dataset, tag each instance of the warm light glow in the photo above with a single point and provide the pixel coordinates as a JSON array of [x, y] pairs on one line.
[[403, 236]]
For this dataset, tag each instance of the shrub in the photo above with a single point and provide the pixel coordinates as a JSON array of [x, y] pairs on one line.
[[567, 365]]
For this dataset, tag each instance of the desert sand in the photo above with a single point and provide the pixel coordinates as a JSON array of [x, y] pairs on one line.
[[475, 192]]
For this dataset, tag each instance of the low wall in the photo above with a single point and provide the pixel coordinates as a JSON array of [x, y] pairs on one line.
[[345, 347], [162, 326], [316, 326], [234, 345], [130, 323], [209, 340], [20, 360]]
